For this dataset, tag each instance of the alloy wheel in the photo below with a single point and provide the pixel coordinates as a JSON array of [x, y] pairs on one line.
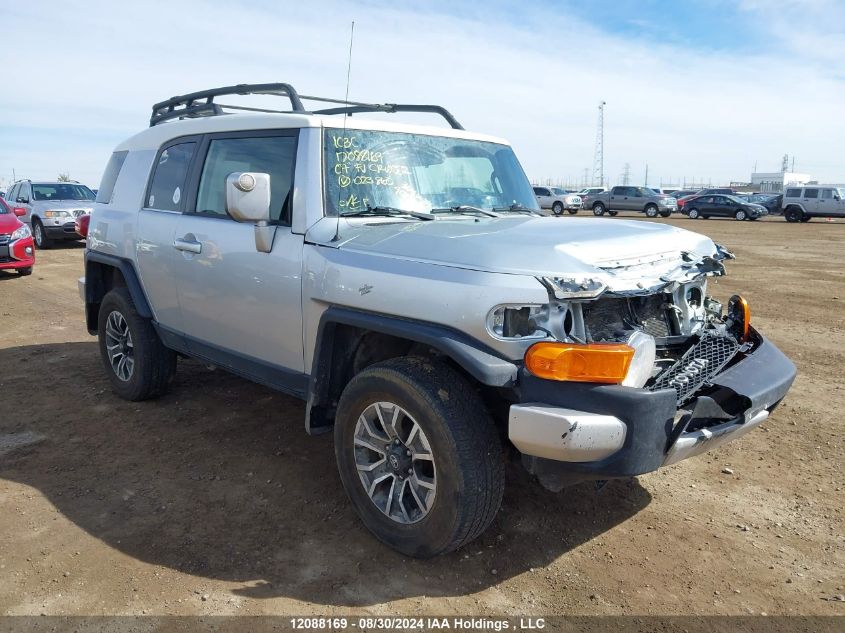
[[395, 462], [119, 347]]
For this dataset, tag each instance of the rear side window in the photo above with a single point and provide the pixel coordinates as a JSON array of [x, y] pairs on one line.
[[793, 193], [104, 193], [167, 189], [827, 194], [272, 155], [811, 193]]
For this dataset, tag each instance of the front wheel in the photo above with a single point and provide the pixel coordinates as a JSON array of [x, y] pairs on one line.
[[138, 365], [39, 234], [557, 208], [418, 456], [651, 211], [599, 209], [740, 215]]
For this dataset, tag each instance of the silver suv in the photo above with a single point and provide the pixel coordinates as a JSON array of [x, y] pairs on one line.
[[801, 204], [51, 208], [402, 282], [557, 199]]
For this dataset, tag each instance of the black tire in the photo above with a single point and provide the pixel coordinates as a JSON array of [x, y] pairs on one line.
[[693, 214], [23, 272], [39, 235], [806, 218], [651, 210], [572, 211], [793, 214], [557, 208], [468, 457], [599, 208], [613, 214], [154, 364], [741, 214]]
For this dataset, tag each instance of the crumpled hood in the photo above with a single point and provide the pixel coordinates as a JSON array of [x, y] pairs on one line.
[[624, 254]]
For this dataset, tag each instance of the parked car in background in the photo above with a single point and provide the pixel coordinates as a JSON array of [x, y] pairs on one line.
[[81, 224], [51, 208], [771, 201], [16, 249], [628, 198], [723, 206], [557, 199], [800, 204]]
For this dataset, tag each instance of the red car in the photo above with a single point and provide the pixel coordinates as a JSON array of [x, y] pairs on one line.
[[81, 224], [17, 251]]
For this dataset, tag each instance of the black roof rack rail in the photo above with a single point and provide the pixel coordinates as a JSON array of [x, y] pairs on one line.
[[202, 104], [170, 109]]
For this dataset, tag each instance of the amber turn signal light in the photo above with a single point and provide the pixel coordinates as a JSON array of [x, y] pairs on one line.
[[740, 315], [593, 362]]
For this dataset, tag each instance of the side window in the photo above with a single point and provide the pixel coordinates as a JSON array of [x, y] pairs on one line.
[[811, 193], [12, 196], [167, 189], [274, 155], [24, 192], [618, 191], [826, 194], [793, 193], [104, 193]]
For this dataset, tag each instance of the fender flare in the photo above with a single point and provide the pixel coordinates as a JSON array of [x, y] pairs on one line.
[[95, 286], [478, 360]]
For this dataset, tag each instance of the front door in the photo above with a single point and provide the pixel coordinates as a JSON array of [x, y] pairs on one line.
[[829, 204], [241, 307]]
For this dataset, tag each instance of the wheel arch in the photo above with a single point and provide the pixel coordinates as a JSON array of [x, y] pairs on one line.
[[104, 272], [350, 340]]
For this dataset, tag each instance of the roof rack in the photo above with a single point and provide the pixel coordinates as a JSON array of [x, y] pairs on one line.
[[202, 103]]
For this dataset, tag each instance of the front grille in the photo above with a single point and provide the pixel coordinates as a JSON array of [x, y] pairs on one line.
[[698, 365]]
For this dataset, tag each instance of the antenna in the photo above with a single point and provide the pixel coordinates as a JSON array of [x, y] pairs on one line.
[[345, 114], [598, 156]]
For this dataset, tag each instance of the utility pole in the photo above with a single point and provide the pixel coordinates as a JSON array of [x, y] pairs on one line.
[[598, 155], [626, 175], [586, 177], [784, 164], [646, 175], [793, 164]]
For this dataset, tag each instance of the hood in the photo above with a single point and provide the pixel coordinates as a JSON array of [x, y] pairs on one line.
[[8, 223], [85, 206], [624, 255]]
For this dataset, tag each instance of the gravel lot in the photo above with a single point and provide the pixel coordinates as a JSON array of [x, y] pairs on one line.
[[213, 500]]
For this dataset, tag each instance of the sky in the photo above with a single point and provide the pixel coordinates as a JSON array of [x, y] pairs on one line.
[[697, 90]]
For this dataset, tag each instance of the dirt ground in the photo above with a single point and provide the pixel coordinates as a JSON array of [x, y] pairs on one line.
[[213, 500]]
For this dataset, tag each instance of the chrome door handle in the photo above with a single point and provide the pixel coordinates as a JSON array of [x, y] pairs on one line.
[[189, 246]]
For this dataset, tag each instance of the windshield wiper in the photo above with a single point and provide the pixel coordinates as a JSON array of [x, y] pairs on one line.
[[465, 208], [386, 212], [517, 208]]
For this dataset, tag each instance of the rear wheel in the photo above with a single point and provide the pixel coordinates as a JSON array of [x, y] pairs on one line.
[[693, 214], [39, 234], [418, 455], [139, 367], [651, 211], [599, 208], [740, 214], [557, 208], [793, 214]]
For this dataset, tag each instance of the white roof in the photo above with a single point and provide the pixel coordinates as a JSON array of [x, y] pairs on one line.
[[154, 137]]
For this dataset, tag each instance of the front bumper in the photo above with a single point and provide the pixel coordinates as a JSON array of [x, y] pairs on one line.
[[17, 254], [66, 231], [576, 431]]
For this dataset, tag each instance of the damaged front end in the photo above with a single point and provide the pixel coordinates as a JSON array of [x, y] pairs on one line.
[[674, 401]]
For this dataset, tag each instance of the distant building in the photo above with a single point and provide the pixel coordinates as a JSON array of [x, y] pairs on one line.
[[776, 181]]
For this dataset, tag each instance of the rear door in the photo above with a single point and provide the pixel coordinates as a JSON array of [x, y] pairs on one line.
[[241, 307], [163, 204], [810, 200], [544, 197]]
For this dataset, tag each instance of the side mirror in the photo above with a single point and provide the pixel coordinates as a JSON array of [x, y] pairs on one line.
[[23, 200], [19, 211], [248, 200]]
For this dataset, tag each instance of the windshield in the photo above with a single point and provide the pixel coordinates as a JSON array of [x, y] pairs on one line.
[[736, 199], [645, 191], [62, 191], [416, 172], [559, 192]]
